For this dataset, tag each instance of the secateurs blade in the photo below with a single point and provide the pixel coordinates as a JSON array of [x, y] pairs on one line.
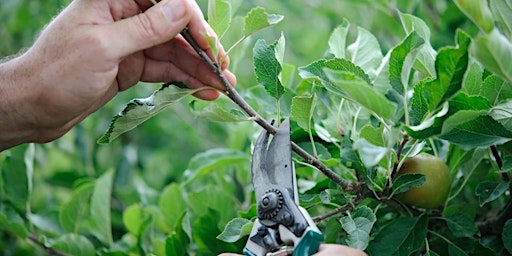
[[282, 226]]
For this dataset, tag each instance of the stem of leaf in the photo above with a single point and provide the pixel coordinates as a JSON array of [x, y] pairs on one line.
[[347, 185]]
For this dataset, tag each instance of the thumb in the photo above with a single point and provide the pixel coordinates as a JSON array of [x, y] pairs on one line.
[[157, 25]]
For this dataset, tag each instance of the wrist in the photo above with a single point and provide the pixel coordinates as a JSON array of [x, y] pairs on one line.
[[17, 123]]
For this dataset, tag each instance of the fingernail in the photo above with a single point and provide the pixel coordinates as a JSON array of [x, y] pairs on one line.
[[174, 10]]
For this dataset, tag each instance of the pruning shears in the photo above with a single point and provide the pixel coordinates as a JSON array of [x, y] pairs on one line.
[[282, 226]]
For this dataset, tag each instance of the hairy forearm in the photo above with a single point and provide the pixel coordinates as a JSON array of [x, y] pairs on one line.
[[16, 126]]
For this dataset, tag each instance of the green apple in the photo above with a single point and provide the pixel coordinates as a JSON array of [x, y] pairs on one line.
[[434, 191]]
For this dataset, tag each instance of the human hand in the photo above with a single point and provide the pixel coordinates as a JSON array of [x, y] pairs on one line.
[[326, 250], [90, 52]]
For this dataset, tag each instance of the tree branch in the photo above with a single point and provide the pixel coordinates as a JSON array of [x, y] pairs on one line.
[[50, 251], [236, 98]]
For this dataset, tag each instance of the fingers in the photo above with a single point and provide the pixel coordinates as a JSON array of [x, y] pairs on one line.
[[339, 250], [157, 71], [156, 25]]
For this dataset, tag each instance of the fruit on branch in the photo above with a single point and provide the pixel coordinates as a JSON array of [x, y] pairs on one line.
[[434, 191]]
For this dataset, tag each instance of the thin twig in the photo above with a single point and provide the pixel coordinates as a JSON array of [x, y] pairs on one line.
[[235, 97], [48, 250]]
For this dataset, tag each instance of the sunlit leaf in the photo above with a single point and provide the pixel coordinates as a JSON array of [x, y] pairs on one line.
[[401, 61], [172, 204], [472, 128], [236, 229], [258, 19], [427, 55], [74, 244], [222, 111], [358, 225], [219, 16], [493, 88], [502, 13], [478, 11], [493, 51], [72, 212], [451, 64], [268, 68], [99, 222], [138, 111], [209, 161], [132, 218], [503, 114], [370, 154], [338, 40], [302, 110], [365, 52], [358, 90]]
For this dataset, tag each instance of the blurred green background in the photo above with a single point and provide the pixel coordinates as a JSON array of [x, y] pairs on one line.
[[159, 150]]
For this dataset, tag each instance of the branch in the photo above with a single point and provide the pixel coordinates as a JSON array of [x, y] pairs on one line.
[[48, 250], [235, 97]]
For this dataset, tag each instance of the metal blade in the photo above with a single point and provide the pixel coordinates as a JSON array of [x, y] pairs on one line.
[[272, 167]]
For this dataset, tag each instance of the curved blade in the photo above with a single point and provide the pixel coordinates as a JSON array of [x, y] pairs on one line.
[[272, 164]]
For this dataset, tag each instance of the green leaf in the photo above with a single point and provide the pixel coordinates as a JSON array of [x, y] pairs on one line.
[[365, 52], [236, 229], [478, 11], [370, 154], [338, 40], [356, 89], [205, 234], [401, 61], [268, 68], [14, 177], [221, 111], [401, 237], [172, 204], [47, 221], [374, 135], [176, 244], [132, 218], [427, 55], [493, 88], [473, 128], [502, 12], [219, 16], [506, 236], [407, 181], [12, 222], [460, 220], [258, 19], [493, 51], [72, 212], [211, 160], [503, 114], [451, 64], [74, 244], [302, 110], [99, 221], [488, 191], [317, 70], [138, 111], [358, 225]]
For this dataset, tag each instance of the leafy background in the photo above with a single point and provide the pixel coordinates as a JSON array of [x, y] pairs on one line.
[[172, 185]]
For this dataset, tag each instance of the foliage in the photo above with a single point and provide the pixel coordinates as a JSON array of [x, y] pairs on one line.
[[371, 84]]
